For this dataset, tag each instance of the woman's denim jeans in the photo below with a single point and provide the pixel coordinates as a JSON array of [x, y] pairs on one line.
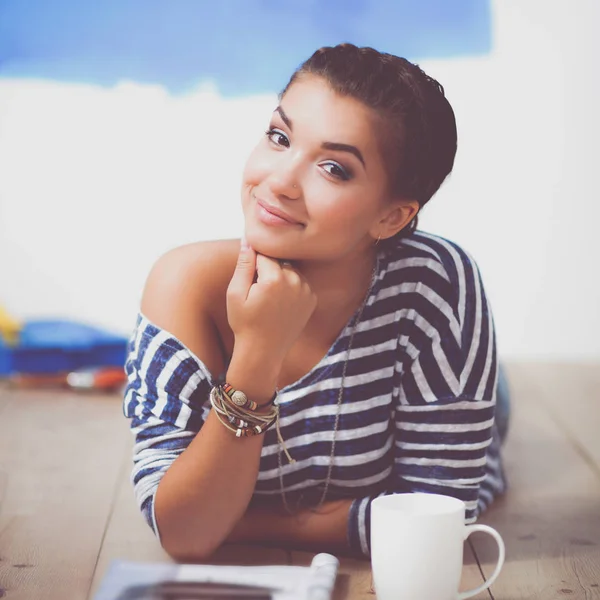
[[502, 403]]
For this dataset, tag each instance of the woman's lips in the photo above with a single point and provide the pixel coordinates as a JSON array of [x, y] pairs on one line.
[[271, 216]]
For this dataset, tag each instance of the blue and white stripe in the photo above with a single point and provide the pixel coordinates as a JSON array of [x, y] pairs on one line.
[[418, 405]]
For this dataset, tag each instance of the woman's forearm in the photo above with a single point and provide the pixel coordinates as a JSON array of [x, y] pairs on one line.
[[324, 528], [207, 489]]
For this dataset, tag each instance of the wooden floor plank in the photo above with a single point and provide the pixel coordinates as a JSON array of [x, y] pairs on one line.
[[6, 400], [67, 507], [127, 536], [60, 453], [550, 517], [571, 393], [472, 577]]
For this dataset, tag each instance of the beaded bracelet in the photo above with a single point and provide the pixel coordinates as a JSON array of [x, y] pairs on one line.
[[240, 420], [244, 422], [240, 399]]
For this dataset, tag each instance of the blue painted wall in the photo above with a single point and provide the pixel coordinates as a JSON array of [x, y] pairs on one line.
[[245, 46]]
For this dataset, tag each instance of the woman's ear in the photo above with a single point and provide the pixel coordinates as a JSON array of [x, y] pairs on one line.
[[395, 218]]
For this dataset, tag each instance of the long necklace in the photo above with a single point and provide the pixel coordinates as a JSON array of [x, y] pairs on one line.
[[339, 404]]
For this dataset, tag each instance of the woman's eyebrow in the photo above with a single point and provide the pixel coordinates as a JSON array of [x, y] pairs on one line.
[[345, 148], [284, 117], [327, 145]]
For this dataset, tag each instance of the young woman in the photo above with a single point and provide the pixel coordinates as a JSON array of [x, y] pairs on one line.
[[364, 346]]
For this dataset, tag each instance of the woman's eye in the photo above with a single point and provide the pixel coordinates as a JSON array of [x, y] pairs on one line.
[[278, 137], [336, 171]]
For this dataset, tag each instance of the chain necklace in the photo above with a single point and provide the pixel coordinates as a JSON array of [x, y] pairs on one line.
[[339, 406]]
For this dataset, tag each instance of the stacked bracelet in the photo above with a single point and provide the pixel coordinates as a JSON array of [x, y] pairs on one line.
[[239, 414]]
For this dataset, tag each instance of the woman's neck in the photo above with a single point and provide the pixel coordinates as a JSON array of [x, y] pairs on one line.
[[341, 287]]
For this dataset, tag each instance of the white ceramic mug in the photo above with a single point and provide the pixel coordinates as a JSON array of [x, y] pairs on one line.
[[417, 547]]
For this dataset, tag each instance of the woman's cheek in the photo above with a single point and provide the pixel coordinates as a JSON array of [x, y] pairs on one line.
[[337, 210], [250, 174]]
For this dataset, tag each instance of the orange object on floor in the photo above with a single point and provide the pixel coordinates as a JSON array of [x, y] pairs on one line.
[[101, 378]]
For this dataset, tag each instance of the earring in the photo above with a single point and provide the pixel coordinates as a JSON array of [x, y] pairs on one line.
[[378, 239]]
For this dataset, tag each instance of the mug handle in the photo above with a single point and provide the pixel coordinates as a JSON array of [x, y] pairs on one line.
[[469, 529]]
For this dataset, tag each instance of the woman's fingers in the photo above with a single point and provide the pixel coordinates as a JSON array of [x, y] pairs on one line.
[[245, 269], [268, 269], [274, 310]]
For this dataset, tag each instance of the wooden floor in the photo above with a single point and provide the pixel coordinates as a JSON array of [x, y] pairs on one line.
[[67, 508]]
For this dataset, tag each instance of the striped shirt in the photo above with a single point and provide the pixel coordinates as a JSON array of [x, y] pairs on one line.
[[417, 412]]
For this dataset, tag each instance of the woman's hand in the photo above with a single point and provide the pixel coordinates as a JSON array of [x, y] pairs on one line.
[[268, 312], [323, 530]]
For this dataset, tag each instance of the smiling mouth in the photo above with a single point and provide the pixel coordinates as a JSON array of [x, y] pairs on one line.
[[274, 215]]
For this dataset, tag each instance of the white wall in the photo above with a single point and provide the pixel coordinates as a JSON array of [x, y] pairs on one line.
[[96, 183]]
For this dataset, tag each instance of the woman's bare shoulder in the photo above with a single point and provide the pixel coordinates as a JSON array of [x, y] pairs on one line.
[[185, 290]]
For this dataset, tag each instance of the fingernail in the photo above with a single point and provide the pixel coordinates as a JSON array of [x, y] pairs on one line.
[[244, 243]]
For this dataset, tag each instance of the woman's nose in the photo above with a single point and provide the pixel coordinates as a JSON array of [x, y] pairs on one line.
[[285, 181]]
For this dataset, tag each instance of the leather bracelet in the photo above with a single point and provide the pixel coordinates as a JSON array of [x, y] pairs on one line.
[[244, 430], [240, 399], [242, 422]]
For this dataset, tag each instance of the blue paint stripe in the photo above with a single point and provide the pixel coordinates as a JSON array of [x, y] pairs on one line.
[[245, 46]]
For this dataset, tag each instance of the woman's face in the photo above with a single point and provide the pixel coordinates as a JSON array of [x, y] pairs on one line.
[[315, 186]]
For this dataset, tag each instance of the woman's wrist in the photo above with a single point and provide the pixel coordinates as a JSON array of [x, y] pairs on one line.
[[253, 375]]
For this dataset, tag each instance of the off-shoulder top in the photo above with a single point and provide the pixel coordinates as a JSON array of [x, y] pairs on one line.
[[417, 412]]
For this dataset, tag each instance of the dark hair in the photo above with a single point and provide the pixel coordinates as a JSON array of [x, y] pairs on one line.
[[417, 123]]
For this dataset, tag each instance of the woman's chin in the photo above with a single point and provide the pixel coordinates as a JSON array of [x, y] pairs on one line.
[[266, 244], [270, 250]]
